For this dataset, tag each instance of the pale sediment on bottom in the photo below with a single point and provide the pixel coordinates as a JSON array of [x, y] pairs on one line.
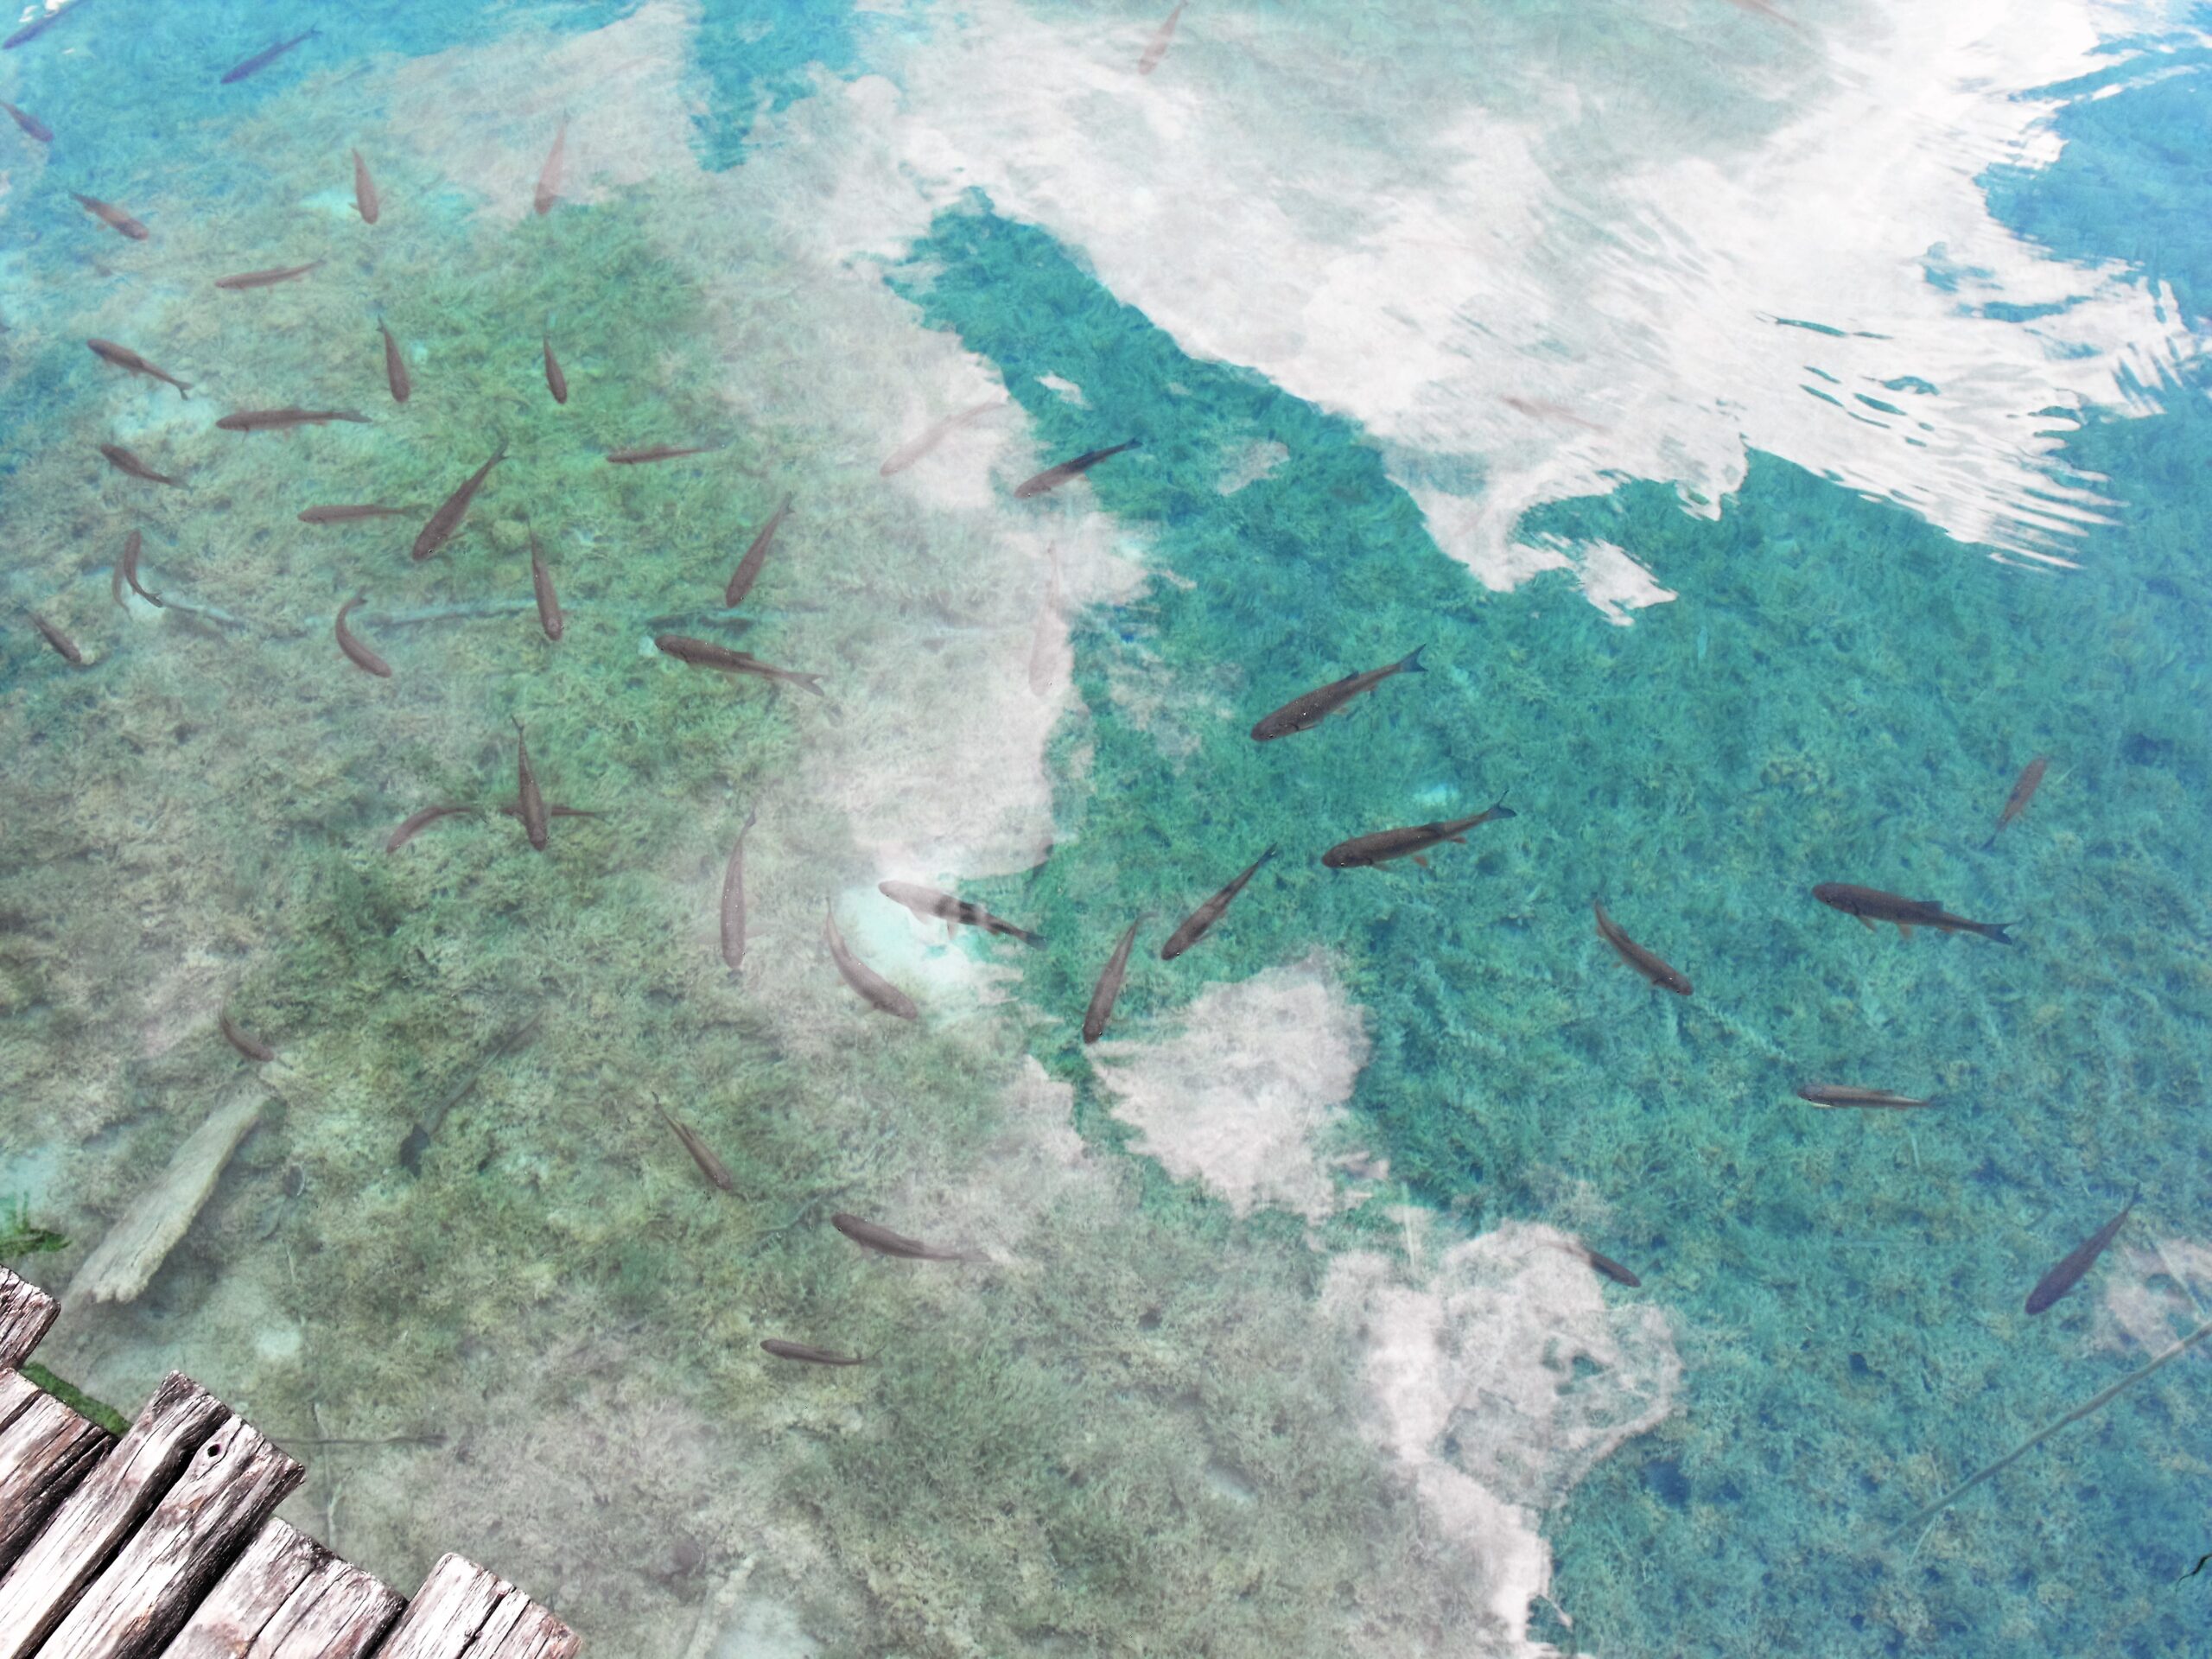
[[1245, 1093], [1495, 1385]]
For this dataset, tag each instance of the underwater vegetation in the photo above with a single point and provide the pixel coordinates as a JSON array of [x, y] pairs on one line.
[[20, 1236]]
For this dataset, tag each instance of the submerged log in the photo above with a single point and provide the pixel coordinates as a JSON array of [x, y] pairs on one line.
[[127, 1259]]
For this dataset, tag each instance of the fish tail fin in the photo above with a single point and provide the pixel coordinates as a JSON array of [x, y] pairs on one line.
[[809, 682], [1500, 810], [184, 389], [1412, 663], [1996, 931], [1990, 843], [1034, 941]]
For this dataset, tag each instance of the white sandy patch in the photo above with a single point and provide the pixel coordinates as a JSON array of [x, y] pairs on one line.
[[952, 784], [1246, 1093], [626, 120], [948, 977], [1526, 307], [2157, 1292], [1252, 464], [1497, 1383], [1066, 389]]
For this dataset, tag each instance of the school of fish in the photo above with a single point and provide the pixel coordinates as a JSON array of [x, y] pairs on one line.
[[1303, 713]]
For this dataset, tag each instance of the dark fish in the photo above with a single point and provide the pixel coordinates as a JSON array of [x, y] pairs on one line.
[[699, 654], [266, 278], [63, 645], [908, 454], [548, 177], [113, 216], [927, 902], [446, 519], [395, 366], [126, 569], [657, 452], [1158, 49], [38, 26], [266, 56], [748, 568], [702, 1154], [1844, 1094], [1610, 1268], [1195, 925], [2031, 780], [124, 461], [1304, 713], [2083, 1256], [534, 816], [419, 821], [733, 901], [1869, 905], [1052, 477], [1538, 408], [879, 991], [1764, 8], [419, 1138], [1637, 956], [783, 1350], [1365, 851], [358, 653], [252, 1047], [30, 123], [556, 382], [540, 584], [1108, 987], [884, 1241], [365, 191], [273, 420], [348, 515], [124, 357]]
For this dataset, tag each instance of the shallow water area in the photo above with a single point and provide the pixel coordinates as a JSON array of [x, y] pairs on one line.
[[1777, 424]]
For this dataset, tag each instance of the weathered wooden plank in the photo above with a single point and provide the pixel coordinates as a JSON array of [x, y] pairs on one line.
[[464, 1612], [25, 1312], [234, 1483], [288, 1598], [124, 1262], [96, 1518], [45, 1449], [535, 1635]]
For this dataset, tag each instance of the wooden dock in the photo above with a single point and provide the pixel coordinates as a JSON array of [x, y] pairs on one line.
[[165, 1544]]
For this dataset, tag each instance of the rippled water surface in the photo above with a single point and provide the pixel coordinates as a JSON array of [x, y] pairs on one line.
[[1776, 426]]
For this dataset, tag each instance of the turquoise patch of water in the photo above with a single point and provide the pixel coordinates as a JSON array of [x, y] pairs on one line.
[[1841, 693]]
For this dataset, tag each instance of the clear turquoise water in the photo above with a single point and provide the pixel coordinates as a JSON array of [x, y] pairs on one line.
[[1157, 1424]]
